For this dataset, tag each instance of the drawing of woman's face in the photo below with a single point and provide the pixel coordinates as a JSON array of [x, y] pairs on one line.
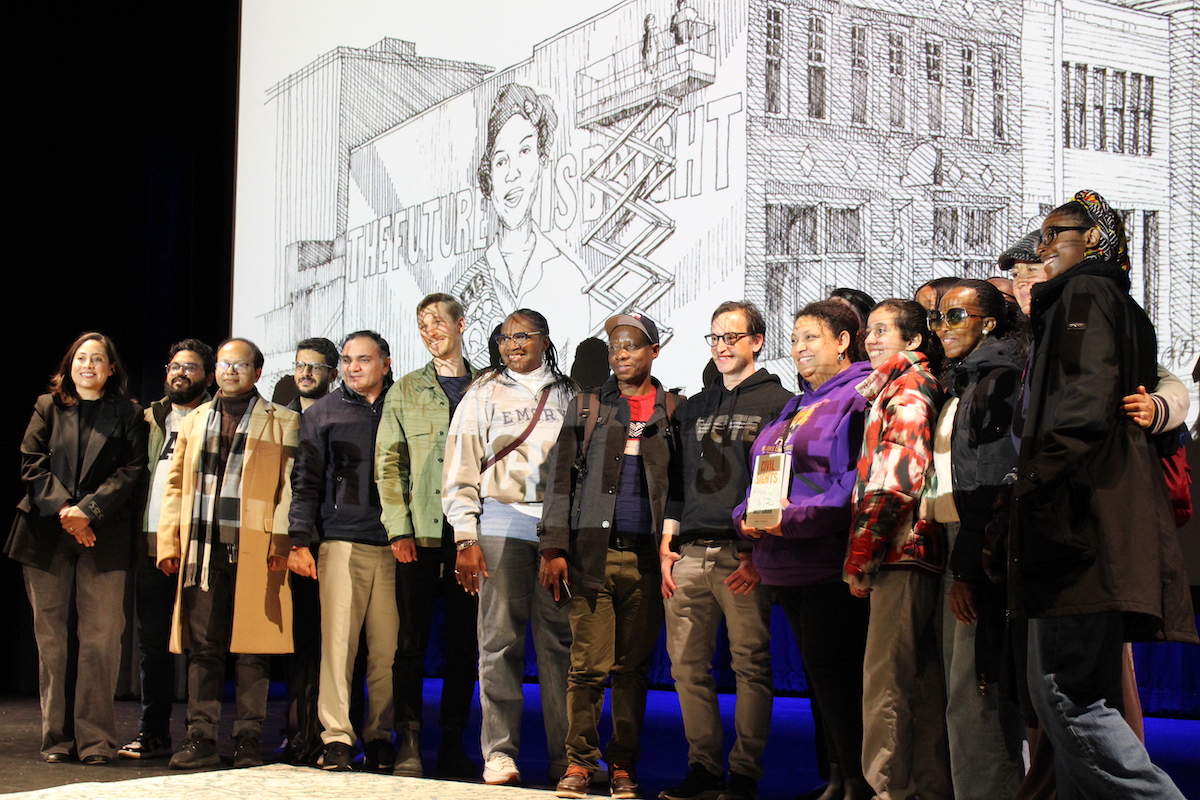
[[516, 170]]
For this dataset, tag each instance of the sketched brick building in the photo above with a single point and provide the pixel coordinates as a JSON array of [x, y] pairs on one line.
[[768, 149]]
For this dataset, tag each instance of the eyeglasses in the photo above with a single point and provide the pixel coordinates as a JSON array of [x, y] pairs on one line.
[[1051, 233], [236, 367], [187, 369], [954, 318], [304, 366], [520, 337], [730, 338], [613, 349]]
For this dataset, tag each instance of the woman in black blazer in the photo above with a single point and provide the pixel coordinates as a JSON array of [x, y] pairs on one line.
[[83, 459]]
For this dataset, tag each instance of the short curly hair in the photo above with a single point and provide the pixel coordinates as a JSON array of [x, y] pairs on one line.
[[515, 99]]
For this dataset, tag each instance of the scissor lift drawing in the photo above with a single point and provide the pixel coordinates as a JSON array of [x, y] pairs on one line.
[[629, 97]]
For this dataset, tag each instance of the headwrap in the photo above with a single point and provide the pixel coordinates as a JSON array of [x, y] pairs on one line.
[[1112, 245]]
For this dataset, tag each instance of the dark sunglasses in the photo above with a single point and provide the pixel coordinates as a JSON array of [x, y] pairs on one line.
[[954, 318]]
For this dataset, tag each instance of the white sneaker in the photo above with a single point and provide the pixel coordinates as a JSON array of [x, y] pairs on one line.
[[500, 769]]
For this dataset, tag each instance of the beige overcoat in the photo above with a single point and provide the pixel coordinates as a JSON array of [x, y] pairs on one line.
[[262, 608]]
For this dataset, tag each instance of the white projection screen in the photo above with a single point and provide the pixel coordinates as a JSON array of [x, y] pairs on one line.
[[687, 153]]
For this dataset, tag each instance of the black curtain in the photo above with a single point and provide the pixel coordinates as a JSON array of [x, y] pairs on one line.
[[121, 123]]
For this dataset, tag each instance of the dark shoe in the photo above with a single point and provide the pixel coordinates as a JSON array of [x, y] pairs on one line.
[[57, 758], [408, 761], [623, 782], [379, 756], [830, 791], [147, 745], [196, 752], [740, 787], [452, 759], [338, 757], [247, 752], [700, 784], [97, 760], [574, 782]]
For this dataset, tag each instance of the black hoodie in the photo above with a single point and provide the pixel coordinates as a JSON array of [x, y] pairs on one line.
[[717, 429]]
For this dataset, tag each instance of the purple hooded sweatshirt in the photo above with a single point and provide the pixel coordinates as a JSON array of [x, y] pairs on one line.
[[825, 442]]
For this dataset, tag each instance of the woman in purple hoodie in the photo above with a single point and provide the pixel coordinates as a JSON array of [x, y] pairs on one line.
[[800, 559]]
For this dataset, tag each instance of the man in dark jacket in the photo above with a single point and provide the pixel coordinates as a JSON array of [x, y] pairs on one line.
[[607, 523], [707, 572], [191, 370], [1095, 559], [335, 503]]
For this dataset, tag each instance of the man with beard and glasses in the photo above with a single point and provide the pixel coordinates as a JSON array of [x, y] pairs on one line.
[[315, 371], [190, 372]]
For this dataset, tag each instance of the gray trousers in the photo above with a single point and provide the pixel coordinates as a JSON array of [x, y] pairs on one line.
[[100, 609], [985, 730], [510, 599], [693, 614], [210, 616]]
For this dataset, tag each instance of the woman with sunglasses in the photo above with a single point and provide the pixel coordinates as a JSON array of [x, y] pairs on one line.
[[896, 558], [497, 451], [981, 334], [82, 458], [800, 558]]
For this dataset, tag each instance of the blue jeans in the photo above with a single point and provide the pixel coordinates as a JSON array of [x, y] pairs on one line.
[[1075, 683]]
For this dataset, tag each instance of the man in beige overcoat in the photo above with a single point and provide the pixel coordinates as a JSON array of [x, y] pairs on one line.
[[224, 526]]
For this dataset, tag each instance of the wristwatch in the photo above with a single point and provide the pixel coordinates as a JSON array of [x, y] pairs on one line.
[[464, 544]]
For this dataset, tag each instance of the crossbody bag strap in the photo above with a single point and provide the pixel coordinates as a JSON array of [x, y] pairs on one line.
[[515, 443]]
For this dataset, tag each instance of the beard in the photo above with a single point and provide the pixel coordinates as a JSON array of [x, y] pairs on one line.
[[319, 390], [184, 394]]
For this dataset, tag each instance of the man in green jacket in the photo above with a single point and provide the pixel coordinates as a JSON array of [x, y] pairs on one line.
[[409, 453]]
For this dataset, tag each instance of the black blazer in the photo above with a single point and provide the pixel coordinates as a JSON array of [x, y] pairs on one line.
[[114, 464]]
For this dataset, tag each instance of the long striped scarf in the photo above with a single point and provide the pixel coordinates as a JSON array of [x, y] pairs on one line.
[[216, 510]]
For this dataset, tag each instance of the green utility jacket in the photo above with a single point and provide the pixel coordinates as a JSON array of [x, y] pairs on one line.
[[410, 449]]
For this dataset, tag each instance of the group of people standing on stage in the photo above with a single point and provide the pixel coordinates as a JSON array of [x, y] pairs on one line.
[[975, 521]]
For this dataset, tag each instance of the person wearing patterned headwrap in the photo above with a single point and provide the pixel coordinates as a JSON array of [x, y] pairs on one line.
[[1094, 558]]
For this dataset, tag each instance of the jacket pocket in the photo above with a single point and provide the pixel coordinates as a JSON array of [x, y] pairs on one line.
[[1058, 530]]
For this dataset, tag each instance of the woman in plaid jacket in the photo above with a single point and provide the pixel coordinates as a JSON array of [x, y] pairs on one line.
[[896, 558]]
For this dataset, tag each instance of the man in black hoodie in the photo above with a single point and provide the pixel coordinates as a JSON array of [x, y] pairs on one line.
[[335, 504], [706, 568], [1094, 555]]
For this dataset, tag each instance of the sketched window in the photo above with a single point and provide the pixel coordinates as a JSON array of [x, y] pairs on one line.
[[896, 69], [1099, 108], [945, 230], [999, 95], [933, 81], [774, 78], [843, 230], [1150, 262], [817, 62], [1145, 111], [979, 230], [791, 230], [968, 90], [860, 74], [1116, 113], [1079, 107]]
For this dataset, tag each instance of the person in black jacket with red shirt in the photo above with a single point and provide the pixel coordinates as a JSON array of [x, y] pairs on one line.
[[82, 459], [1094, 557]]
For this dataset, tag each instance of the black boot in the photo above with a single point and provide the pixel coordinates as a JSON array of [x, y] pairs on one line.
[[408, 757], [830, 791], [857, 789]]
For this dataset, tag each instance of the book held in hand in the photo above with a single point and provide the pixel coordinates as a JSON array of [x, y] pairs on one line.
[[764, 508]]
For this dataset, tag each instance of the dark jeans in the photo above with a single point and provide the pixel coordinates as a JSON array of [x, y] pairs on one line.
[[303, 728], [831, 628], [154, 595], [210, 616], [418, 585]]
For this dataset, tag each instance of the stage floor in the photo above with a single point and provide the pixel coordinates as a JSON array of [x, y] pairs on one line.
[[1174, 745]]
